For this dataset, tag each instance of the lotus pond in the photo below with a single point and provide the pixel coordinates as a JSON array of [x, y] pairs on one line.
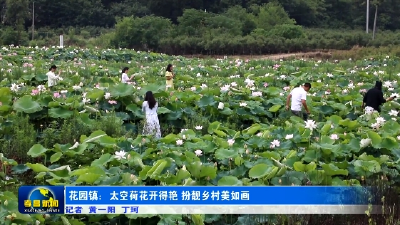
[[224, 124]]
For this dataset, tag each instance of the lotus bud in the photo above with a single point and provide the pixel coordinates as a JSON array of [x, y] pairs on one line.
[[5, 202]]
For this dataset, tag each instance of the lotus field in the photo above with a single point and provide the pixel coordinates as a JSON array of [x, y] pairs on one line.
[[224, 124]]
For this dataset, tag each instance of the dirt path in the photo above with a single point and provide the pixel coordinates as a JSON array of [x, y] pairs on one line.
[[317, 55]]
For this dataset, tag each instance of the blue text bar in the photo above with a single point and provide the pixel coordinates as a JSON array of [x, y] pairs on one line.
[[211, 195]]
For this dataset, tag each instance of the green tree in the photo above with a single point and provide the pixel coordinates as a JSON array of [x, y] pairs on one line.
[[17, 11], [246, 20], [145, 32], [272, 14]]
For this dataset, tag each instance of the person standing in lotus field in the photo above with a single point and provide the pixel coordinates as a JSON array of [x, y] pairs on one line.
[[124, 77], [52, 78], [151, 124], [299, 97], [374, 97], [169, 75]]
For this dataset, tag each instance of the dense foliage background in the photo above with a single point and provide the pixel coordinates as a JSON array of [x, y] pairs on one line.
[[199, 26]]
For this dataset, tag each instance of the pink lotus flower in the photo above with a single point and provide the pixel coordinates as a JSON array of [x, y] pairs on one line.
[[56, 95], [265, 84], [35, 92], [112, 102]]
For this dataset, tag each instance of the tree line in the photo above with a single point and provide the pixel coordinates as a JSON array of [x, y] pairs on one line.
[[206, 26]]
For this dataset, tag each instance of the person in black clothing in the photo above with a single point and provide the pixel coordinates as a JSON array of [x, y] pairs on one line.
[[374, 97]]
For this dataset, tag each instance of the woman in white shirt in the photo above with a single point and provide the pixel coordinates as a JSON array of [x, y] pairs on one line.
[[52, 78], [125, 78]]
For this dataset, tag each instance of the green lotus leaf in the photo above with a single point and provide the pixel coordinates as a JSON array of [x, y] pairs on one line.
[[163, 110], [27, 105], [95, 94], [37, 167], [263, 171], [155, 88], [5, 95], [37, 150], [60, 113], [121, 90], [274, 108]]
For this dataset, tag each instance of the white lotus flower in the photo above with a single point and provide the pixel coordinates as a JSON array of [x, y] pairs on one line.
[[179, 142], [369, 110], [14, 87], [334, 137], [120, 155], [221, 105], [393, 112], [243, 104], [225, 88], [375, 125], [41, 88], [256, 93], [249, 83], [395, 95], [107, 95], [198, 127], [387, 84], [289, 136], [380, 120], [310, 124], [198, 152], [275, 143], [230, 142], [85, 100], [365, 142]]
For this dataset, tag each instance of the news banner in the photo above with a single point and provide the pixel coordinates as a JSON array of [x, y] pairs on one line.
[[195, 200]]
